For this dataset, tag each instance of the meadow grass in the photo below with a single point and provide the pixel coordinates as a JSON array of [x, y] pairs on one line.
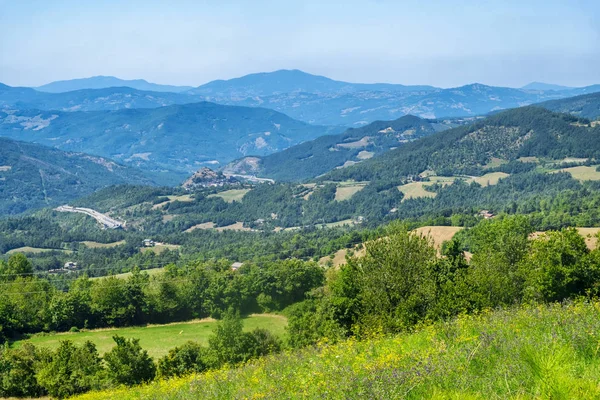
[[530, 352], [157, 339], [346, 192], [583, 173], [98, 245], [231, 195]]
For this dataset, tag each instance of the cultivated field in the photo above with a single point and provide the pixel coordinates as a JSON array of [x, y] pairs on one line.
[[182, 198], [97, 245], [416, 190], [583, 173], [488, 179], [160, 247], [158, 339], [125, 275], [238, 226], [231, 195], [345, 192], [34, 250], [439, 234]]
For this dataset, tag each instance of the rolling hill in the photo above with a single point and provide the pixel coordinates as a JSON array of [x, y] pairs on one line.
[[34, 176], [102, 82], [502, 138], [178, 138], [584, 106], [316, 157]]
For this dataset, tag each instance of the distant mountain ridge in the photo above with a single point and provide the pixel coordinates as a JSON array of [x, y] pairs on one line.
[[546, 86], [34, 176], [177, 139], [290, 81], [114, 98], [103, 82]]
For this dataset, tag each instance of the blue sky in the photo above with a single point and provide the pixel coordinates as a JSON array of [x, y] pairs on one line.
[[443, 43]]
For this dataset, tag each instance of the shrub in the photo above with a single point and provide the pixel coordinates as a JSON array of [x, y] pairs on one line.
[[17, 372], [72, 370], [183, 360], [128, 363]]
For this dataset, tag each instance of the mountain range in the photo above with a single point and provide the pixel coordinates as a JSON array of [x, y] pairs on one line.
[[102, 82], [174, 140], [309, 98], [34, 176]]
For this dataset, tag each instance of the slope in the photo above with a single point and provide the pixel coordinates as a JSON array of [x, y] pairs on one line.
[[101, 82], [522, 132], [584, 106], [177, 138], [530, 352], [316, 157], [34, 176]]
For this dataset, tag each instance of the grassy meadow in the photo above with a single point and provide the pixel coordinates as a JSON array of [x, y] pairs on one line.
[[157, 339], [531, 352], [231, 195]]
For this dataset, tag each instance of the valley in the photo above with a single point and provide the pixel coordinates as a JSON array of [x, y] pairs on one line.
[[396, 241]]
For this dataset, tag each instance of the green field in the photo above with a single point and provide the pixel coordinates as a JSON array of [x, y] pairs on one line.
[[231, 195], [346, 192], [151, 272], [160, 247], [34, 250], [583, 173], [157, 339], [415, 190], [533, 352], [182, 198]]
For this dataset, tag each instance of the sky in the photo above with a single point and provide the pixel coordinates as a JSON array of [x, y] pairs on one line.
[[446, 43]]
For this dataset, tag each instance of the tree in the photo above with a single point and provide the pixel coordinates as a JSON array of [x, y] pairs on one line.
[[18, 265], [72, 370], [128, 363], [17, 372]]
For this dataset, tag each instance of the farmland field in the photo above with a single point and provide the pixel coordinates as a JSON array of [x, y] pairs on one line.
[[231, 195], [158, 339], [488, 179], [182, 198], [439, 234], [160, 247], [97, 245], [415, 190], [34, 250], [583, 173], [346, 192]]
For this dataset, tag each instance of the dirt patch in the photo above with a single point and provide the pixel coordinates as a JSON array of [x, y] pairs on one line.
[[439, 234]]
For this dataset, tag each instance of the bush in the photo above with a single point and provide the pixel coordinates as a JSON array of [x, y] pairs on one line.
[[17, 372], [128, 363], [183, 360], [72, 370]]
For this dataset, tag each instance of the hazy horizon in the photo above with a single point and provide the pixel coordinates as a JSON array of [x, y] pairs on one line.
[[495, 43]]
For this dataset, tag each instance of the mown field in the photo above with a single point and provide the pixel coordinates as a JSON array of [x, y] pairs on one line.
[[157, 339], [532, 352]]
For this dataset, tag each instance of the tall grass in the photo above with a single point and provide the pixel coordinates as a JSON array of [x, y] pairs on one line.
[[531, 352]]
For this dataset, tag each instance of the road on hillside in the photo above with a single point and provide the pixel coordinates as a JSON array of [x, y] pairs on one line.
[[101, 218]]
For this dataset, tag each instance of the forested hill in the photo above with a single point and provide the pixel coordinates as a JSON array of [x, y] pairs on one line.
[[178, 138], [316, 157], [585, 106], [34, 176], [505, 137]]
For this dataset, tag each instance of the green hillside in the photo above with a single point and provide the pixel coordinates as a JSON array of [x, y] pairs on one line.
[[34, 176], [316, 157], [507, 136], [585, 106], [519, 353]]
